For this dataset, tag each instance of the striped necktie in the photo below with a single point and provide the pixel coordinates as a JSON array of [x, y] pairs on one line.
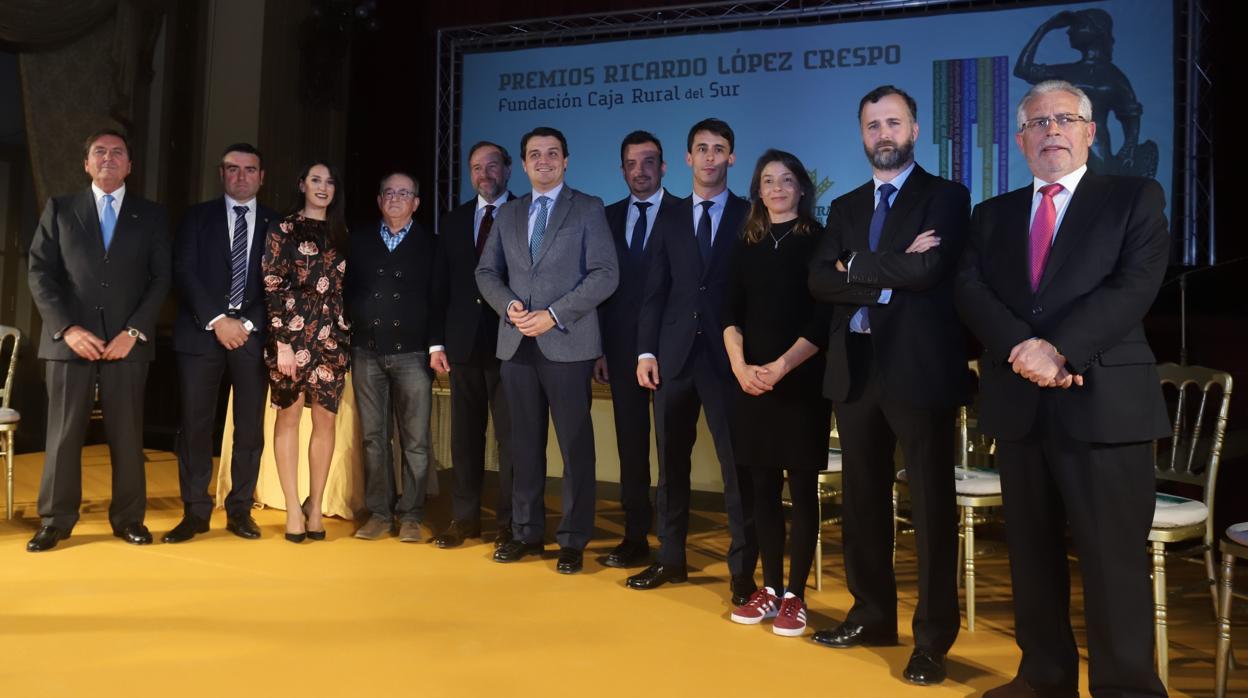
[[238, 257], [539, 227]]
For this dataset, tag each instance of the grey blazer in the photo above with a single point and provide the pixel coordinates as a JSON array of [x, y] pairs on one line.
[[574, 271]]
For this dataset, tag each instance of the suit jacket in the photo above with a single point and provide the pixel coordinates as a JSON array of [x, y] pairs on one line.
[[574, 271], [1102, 275], [918, 344], [74, 281], [683, 296], [620, 313], [387, 294], [203, 270], [461, 320]]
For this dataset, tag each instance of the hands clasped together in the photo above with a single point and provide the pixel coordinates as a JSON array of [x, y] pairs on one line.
[[1039, 362], [85, 344]]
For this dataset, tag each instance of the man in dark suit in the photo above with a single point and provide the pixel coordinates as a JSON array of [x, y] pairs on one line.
[[681, 356], [1055, 281], [99, 271], [896, 373], [632, 220], [548, 264], [464, 332], [220, 330]]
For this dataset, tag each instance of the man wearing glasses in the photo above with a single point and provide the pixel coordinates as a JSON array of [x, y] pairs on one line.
[[389, 275], [1056, 279]]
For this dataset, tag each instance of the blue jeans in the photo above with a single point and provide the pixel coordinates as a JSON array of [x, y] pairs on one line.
[[401, 382]]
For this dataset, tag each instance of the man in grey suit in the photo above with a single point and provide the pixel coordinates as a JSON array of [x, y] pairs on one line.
[[547, 265], [99, 271]]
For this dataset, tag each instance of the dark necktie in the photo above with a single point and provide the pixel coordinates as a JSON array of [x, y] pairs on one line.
[[704, 231], [638, 241], [238, 257], [1042, 229], [487, 222], [539, 226], [874, 230]]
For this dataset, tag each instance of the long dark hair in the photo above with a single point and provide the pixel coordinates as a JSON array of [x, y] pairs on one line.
[[335, 217], [758, 223]]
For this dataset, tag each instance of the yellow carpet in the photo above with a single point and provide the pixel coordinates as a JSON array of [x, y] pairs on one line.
[[222, 616]]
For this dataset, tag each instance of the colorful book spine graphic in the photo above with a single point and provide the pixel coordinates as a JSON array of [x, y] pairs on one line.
[[971, 113]]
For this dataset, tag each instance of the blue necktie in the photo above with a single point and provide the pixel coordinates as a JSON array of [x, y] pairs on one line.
[[874, 231], [539, 227], [704, 231], [638, 243], [108, 220], [238, 257]]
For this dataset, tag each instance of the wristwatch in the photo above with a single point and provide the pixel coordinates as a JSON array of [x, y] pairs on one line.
[[133, 333]]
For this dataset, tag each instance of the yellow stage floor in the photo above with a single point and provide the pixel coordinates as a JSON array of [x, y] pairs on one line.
[[221, 616]]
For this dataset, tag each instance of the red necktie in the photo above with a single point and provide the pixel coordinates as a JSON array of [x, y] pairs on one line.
[[487, 222], [1042, 232]]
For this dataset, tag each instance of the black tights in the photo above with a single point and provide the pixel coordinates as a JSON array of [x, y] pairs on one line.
[[769, 520]]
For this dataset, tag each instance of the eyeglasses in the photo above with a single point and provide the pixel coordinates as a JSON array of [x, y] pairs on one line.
[[1041, 123], [401, 194]]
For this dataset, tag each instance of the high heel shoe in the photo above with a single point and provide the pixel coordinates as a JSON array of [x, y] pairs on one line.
[[298, 537], [312, 535]]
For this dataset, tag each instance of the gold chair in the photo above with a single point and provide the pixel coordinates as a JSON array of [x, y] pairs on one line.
[[9, 418], [1234, 545], [1191, 457]]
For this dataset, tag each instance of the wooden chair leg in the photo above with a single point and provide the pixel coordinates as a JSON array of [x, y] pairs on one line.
[[1224, 627], [1159, 612], [968, 528]]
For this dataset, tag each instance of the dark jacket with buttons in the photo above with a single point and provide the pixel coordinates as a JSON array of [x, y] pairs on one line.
[[387, 293], [463, 322]]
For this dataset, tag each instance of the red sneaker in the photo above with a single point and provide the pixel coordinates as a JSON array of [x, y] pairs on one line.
[[791, 618], [762, 604]]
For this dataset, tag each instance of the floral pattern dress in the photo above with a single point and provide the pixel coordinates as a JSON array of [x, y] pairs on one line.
[[303, 276]]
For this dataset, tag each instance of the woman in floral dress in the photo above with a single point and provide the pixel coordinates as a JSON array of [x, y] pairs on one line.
[[307, 349]]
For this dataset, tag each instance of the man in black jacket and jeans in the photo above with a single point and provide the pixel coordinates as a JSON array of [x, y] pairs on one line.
[[389, 271]]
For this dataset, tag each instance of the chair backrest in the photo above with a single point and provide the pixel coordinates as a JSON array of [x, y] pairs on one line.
[[1198, 427], [6, 390]]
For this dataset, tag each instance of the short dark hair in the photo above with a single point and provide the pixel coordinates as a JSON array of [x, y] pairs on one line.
[[97, 135], [883, 91], [381, 183], [715, 126], [637, 138], [543, 131], [488, 144], [247, 148]]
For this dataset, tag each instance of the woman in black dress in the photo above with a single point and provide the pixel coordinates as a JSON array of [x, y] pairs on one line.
[[303, 265], [775, 332]]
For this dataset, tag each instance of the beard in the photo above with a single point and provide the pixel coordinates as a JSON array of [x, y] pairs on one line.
[[895, 157]]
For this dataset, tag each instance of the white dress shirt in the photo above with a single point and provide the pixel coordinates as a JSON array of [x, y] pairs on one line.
[[652, 212], [1060, 200]]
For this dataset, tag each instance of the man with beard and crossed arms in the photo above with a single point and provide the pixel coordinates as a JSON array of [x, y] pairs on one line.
[[632, 220], [681, 356], [464, 334], [896, 373], [1055, 281]]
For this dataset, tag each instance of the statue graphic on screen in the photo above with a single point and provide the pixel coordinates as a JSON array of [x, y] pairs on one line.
[[1091, 33]]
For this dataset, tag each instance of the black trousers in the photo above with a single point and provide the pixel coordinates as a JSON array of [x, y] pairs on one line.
[[71, 394], [631, 405], [1105, 493], [769, 515], [677, 403], [870, 427], [477, 392], [540, 391], [199, 380]]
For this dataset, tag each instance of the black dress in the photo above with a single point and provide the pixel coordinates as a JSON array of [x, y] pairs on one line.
[[769, 301]]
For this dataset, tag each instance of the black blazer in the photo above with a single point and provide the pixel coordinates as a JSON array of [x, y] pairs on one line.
[[1101, 277], [461, 320], [620, 313], [73, 281], [682, 296], [918, 343], [203, 270]]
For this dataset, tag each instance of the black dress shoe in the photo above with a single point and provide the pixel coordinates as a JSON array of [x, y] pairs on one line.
[[849, 634], [925, 668], [457, 533], [515, 550], [186, 529], [242, 526], [134, 534], [1019, 688], [629, 553], [46, 538], [657, 575], [571, 561], [504, 536], [742, 589]]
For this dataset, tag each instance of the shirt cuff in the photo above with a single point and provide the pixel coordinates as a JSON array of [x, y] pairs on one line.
[[436, 347], [507, 312], [213, 321], [886, 294], [647, 355], [555, 317]]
